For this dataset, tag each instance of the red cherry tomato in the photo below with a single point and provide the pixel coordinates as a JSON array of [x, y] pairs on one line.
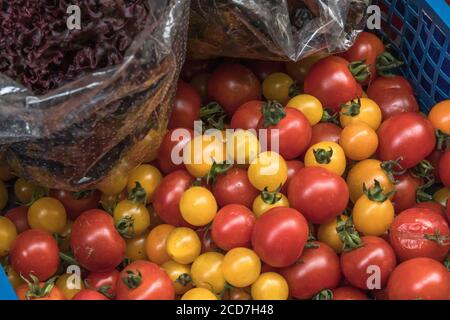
[[173, 141], [54, 294], [420, 233], [331, 81], [318, 269], [19, 216], [166, 201], [232, 227], [433, 206], [144, 280], [95, 242], [385, 83], [293, 166], [325, 131], [348, 293], [406, 136], [76, 203], [394, 101], [186, 107], [374, 258], [35, 252], [319, 194], [419, 278], [233, 84], [262, 68], [434, 159], [247, 116], [103, 281], [279, 236], [405, 192], [444, 169], [89, 294]]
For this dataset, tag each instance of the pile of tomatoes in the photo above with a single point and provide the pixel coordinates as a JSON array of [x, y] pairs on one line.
[[351, 202]]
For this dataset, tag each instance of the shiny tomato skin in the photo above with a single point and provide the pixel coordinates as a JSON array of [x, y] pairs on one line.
[[419, 278], [232, 227], [166, 200], [405, 192], [317, 269], [408, 232], [186, 107], [325, 131], [320, 195], [247, 116], [408, 136], [97, 280], [433, 206], [394, 101], [155, 285], [234, 187], [95, 242], [330, 81], [385, 83], [444, 169], [375, 251], [18, 216], [279, 236], [89, 294], [35, 251], [348, 293], [232, 84], [164, 157], [74, 207], [293, 167]]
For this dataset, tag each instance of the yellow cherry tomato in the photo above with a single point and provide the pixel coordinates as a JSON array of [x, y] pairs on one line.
[[183, 245], [5, 173], [328, 234], [149, 178], [200, 153], [440, 116], [278, 86], [241, 267], [199, 294], [110, 201], [8, 233], [362, 110], [359, 141], [270, 286], [268, 200], [242, 146], [131, 218], [268, 170], [13, 277], [441, 196], [3, 195], [136, 248], [180, 274], [206, 272], [24, 190], [299, 69], [47, 214], [114, 184], [309, 105], [366, 172], [64, 237], [156, 242], [198, 206], [328, 155], [69, 285]]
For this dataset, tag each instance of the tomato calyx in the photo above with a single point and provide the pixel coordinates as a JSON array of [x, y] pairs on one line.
[[226, 289], [272, 112], [38, 192], [138, 194], [104, 290], [375, 193], [323, 156], [271, 197], [82, 194], [392, 168], [442, 140], [385, 63], [294, 90], [348, 234], [447, 263], [423, 170], [35, 291], [216, 170], [133, 279], [353, 108], [184, 279], [213, 116], [360, 70], [68, 258], [331, 118], [439, 239], [124, 225], [325, 294]]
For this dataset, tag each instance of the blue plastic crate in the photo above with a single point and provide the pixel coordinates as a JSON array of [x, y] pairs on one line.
[[419, 32]]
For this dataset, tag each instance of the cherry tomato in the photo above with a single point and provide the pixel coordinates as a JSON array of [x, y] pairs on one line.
[[199, 294], [47, 214], [359, 141], [268, 200], [278, 86], [76, 203], [374, 260], [114, 184], [40, 291], [431, 205], [183, 245], [247, 116], [441, 196], [270, 286], [234, 187], [232, 84], [271, 231], [444, 169], [440, 116], [24, 190], [393, 97], [155, 244], [331, 81], [318, 270], [242, 146], [327, 155], [180, 274], [167, 197], [206, 272], [186, 107], [328, 234], [89, 294], [3, 195], [348, 293], [136, 249], [131, 218], [419, 278], [104, 282], [420, 233], [35, 252], [198, 206], [241, 267], [68, 285], [319, 194], [236, 294], [381, 84], [173, 141], [144, 280], [293, 166], [325, 131], [233, 227], [361, 110], [405, 192], [298, 70], [268, 170], [310, 106], [263, 69], [95, 242], [148, 176], [8, 235], [291, 131], [408, 136]]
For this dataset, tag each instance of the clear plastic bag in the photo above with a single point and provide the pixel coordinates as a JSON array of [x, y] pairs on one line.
[[273, 29], [75, 135]]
